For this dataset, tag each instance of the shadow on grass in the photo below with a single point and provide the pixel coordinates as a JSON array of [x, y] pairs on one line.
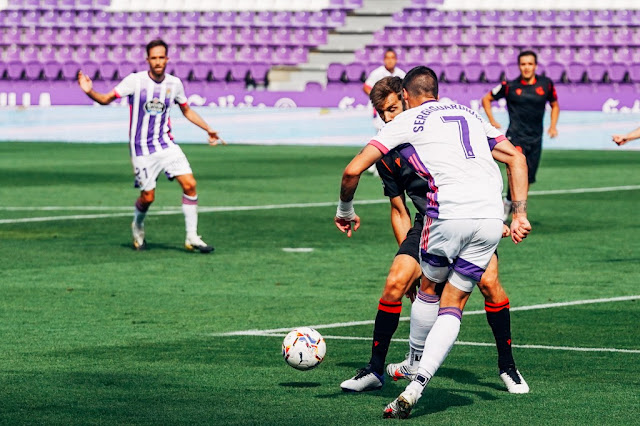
[[301, 384]]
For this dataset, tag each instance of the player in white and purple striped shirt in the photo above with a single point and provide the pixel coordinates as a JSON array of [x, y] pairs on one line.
[[151, 95]]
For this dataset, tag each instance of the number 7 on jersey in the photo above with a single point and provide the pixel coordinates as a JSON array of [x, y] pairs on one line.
[[463, 127]]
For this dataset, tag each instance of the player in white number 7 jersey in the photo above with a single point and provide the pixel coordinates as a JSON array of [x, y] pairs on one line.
[[151, 94], [452, 148]]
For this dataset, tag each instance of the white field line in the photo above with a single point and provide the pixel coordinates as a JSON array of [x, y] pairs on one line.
[[176, 210], [488, 345], [479, 312]]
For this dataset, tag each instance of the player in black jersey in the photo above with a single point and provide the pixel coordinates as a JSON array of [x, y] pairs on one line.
[[398, 179], [526, 98]]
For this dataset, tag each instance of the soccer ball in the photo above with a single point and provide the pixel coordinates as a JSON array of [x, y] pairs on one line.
[[303, 348]]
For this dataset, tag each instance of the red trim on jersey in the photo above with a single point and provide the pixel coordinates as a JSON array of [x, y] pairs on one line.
[[184, 104], [385, 164], [524, 83], [383, 149], [117, 94], [365, 85], [500, 138]]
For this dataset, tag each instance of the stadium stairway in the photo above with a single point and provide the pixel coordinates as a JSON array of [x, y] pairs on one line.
[[357, 32]]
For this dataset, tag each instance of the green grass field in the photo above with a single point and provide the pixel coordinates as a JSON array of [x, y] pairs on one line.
[[92, 332]]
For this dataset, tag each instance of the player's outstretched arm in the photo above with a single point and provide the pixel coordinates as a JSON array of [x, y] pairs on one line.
[[516, 163], [346, 219], [87, 87], [622, 139], [555, 113], [195, 118], [486, 104]]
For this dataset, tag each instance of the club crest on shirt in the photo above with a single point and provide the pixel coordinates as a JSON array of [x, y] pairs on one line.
[[155, 107], [540, 91]]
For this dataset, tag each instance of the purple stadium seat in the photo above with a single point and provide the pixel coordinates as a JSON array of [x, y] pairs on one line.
[[15, 69], [634, 72], [126, 67], [599, 17], [472, 18], [576, 72], [48, 18], [264, 36], [108, 70], [227, 54], [318, 19], [453, 18], [82, 54], [263, 18], [219, 72], [565, 55], [452, 36], [625, 17], [29, 53], [453, 71], [182, 69], [208, 36], [32, 70], [29, 18], [589, 17], [509, 18], [227, 36], [263, 55], [317, 36], [244, 19], [64, 54], [66, 4], [313, 86], [564, 18], [336, 18], [623, 55], [298, 55], [354, 72], [90, 68], [138, 54], [546, 18], [84, 4], [245, 54], [506, 37], [259, 72], [414, 54], [490, 18], [596, 71], [554, 70], [65, 18], [335, 72], [301, 19], [189, 19], [281, 19], [493, 71], [239, 72], [603, 55], [617, 72], [433, 54], [70, 70], [201, 70], [604, 37], [208, 19], [624, 37], [246, 35], [433, 36], [208, 54], [301, 37], [473, 71], [52, 69], [282, 37], [189, 36]]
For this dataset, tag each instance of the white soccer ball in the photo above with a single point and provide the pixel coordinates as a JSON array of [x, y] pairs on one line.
[[303, 348]]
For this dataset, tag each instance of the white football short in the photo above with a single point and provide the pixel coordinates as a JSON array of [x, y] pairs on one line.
[[458, 250], [147, 168]]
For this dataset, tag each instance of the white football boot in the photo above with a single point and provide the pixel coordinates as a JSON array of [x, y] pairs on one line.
[[402, 370], [365, 380], [514, 381], [139, 242], [401, 407], [194, 242]]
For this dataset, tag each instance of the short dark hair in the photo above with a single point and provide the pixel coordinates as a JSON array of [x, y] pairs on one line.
[[390, 49], [421, 81], [384, 88], [528, 53], [156, 43]]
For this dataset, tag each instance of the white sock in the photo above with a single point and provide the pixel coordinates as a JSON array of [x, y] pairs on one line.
[[190, 210], [424, 312], [437, 346], [139, 213]]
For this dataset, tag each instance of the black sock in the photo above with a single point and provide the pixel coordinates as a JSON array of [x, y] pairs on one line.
[[500, 322], [386, 324]]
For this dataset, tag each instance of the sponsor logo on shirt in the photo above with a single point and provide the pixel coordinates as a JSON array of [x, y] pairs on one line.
[[155, 107], [540, 91], [518, 91]]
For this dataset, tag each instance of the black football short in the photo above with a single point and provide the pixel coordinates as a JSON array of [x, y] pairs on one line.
[[411, 245], [532, 151]]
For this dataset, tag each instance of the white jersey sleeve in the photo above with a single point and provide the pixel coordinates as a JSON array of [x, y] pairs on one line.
[[126, 87], [494, 136], [181, 97]]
